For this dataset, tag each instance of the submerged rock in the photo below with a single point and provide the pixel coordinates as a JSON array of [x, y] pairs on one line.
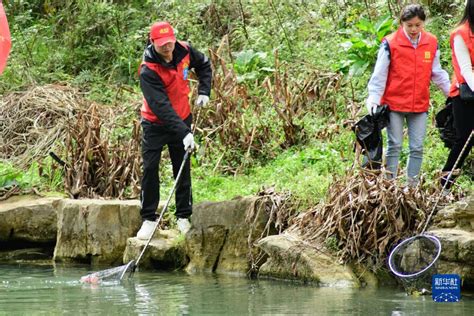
[[26, 254]]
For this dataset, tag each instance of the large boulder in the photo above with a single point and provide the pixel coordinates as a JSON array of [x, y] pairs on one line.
[[165, 251], [218, 240], [457, 215], [457, 253], [291, 259], [454, 226], [95, 231], [29, 219]]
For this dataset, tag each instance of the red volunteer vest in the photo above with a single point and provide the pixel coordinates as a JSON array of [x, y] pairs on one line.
[[176, 86], [467, 36], [409, 75]]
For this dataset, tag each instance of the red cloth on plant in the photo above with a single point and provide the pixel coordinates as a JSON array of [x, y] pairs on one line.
[[5, 39]]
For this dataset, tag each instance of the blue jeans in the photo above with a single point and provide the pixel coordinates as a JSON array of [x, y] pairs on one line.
[[416, 135]]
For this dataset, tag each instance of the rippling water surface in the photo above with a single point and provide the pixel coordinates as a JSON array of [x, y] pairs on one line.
[[46, 290]]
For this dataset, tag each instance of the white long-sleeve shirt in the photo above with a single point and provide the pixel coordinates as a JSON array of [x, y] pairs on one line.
[[461, 53], [379, 77]]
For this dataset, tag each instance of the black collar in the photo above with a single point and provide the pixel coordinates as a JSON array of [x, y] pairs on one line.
[[151, 56]]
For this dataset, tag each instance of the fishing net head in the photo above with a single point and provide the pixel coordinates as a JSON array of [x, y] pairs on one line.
[[116, 274], [413, 261]]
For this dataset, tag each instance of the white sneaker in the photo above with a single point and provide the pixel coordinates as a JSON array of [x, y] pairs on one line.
[[183, 225], [147, 229]]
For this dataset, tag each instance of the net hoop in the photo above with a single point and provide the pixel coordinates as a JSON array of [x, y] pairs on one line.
[[433, 239], [131, 266]]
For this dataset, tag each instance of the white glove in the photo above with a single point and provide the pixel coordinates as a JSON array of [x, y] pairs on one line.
[[202, 100], [188, 141], [371, 106]]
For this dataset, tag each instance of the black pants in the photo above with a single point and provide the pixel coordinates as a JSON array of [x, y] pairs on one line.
[[463, 112], [155, 137]]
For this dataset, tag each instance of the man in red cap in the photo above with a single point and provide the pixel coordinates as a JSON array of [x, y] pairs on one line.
[[166, 118]]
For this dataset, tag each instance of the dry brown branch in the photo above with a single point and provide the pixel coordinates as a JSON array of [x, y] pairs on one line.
[[96, 166], [34, 120], [280, 210], [7, 192], [364, 216], [59, 119], [238, 125]]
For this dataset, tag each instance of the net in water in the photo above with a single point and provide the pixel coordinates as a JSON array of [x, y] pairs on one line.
[[113, 275]]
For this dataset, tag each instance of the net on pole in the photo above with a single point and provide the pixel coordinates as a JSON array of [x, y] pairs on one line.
[[119, 273], [414, 262], [112, 275]]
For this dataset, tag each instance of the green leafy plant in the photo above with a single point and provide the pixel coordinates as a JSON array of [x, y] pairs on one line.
[[97, 46], [364, 42], [8, 175], [332, 243], [251, 66]]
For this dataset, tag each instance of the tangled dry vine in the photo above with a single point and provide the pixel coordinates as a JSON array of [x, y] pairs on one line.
[[59, 119], [365, 215]]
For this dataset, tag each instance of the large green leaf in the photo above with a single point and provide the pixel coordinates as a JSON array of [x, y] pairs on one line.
[[366, 26]]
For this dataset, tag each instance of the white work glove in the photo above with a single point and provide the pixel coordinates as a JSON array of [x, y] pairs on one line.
[[371, 106], [202, 100], [188, 141]]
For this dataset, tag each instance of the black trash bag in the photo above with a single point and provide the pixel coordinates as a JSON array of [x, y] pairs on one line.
[[445, 124], [368, 132]]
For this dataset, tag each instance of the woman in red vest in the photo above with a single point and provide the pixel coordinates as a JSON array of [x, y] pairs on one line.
[[408, 60], [462, 47]]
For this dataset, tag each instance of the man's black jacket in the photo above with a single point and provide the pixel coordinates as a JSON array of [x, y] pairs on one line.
[[154, 90]]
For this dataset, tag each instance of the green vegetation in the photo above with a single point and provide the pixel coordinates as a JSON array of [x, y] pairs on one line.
[[316, 56], [364, 44]]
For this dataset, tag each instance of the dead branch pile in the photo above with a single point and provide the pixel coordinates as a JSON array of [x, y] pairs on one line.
[[226, 124], [59, 119], [291, 98], [96, 166], [9, 191], [280, 209], [32, 121], [247, 124], [364, 216]]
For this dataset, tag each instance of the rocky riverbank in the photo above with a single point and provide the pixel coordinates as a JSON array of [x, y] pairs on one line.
[[224, 238]]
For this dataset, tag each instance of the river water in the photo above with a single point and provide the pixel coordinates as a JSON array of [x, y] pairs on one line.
[[56, 290]]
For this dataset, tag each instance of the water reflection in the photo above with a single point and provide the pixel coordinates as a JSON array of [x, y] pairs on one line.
[[56, 289]]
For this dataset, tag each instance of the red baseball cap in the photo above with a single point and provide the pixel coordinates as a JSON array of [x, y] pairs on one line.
[[162, 33]]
